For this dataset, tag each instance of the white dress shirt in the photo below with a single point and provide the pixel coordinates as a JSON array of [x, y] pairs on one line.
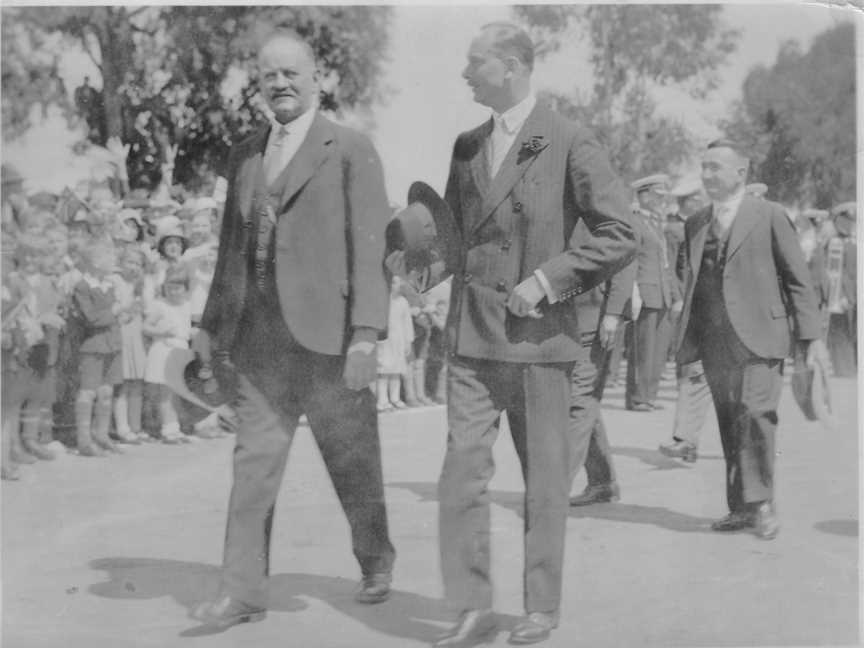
[[505, 127], [283, 143], [724, 212]]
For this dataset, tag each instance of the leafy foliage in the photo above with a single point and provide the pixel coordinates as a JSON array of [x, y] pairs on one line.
[[798, 117], [634, 50], [178, 80]]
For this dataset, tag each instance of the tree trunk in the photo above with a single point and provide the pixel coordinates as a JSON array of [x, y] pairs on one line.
[[115, 41]]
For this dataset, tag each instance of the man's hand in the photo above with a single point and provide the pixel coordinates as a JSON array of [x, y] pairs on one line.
[[607, 330], [525, 297], [361, 361], [677, 307], [816, 352], [202, 347]]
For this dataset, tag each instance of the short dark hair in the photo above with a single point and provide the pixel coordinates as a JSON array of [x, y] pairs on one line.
[[511, 40], [724, 142]]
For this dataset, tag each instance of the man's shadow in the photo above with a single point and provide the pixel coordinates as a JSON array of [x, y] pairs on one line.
[[406, 614], [658, 516]]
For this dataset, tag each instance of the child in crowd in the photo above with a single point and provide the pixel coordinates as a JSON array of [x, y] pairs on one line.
[[38, 266], [171, 243], [99, 359], [128, 286], [169, 322], [393, 353]]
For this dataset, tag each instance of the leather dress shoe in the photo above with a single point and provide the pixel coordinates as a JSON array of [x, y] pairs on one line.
[[680, 450], [766, 522], [374, 589], [597, 494], [474, 627], [225, 612], [735, 521], [536, 627]]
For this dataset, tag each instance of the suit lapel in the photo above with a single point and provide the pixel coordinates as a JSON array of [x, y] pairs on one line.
[[251, 167], [745, 220], [697, 242], [479, 163], [311, 154], [514, 165]]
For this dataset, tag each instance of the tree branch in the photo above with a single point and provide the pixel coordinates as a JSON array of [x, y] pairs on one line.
[[88, 51]]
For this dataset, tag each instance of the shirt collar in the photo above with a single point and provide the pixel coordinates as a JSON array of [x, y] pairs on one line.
[[297, 128], [511, 120]]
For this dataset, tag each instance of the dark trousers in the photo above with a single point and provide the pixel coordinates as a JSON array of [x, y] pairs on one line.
[[649, 341], [589, 445], [278, 382], [746, 391], [536, 397]]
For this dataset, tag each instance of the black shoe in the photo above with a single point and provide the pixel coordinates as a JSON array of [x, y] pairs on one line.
[[680, 450], [534, 628], [225, 612], [735, 521], [474, 627], [766, 522], [597, 494], [374, 589]]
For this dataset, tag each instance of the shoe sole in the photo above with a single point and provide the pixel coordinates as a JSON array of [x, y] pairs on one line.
[[486, 637], [526, 642]]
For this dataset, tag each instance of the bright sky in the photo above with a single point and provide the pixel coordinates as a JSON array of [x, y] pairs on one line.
[[430, 104]]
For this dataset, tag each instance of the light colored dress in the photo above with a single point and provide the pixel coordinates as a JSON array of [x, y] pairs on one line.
[[133, 354], [177, 321], [393, 352]]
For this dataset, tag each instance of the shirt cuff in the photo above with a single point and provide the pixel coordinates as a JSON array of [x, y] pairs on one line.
[[547, 288]]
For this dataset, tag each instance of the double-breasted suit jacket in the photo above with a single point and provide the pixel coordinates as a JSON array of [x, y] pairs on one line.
[[767, 291], [329, 239], [523, 220], [554, 206]]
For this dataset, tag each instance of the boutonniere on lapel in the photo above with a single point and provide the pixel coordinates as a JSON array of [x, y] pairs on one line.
[[532, 147]]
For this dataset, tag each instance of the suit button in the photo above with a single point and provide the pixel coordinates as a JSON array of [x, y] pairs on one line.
[[501, 286], [517, 206], [467, 278], [506, 245]]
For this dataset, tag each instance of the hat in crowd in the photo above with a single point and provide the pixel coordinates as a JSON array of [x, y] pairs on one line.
[[815, 215], [687, 186], [844, 217], [846, 209], [658, 182], [756, 189], [167, 227], [128, 213], [426, 224], [200, 204]]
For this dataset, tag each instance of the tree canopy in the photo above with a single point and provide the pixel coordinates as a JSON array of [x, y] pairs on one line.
[[176, 80], [798, 119], [634, 51]]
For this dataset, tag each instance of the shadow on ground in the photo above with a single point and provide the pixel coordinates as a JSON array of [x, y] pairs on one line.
[[838, 527], [406, 614], [658, 516]]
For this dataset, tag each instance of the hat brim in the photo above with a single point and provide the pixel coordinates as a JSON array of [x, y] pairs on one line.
[[448, 240]]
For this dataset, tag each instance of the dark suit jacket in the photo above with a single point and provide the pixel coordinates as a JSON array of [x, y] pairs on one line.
[[766, 283], [329, 240], [524, 220], [657, 285]]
